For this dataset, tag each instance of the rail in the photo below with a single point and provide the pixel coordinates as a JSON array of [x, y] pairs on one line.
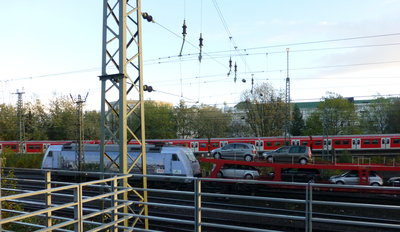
[[206, 204]]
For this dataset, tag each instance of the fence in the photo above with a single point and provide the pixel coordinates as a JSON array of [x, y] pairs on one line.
[[204, 205]]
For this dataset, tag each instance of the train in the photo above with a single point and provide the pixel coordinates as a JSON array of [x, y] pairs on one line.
[[161, 160], [318, 144]]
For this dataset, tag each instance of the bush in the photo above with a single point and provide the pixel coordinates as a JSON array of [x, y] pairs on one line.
[[13, 160]]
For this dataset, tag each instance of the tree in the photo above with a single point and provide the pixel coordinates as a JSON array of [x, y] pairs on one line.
[[394, 116], [184, 119], [297, 123], [36, 121], [265, 110], [159, 121], [337, 115], [314, 124], [375, 117], [62, 119], [211, 122], [8, 122], [91, 124]]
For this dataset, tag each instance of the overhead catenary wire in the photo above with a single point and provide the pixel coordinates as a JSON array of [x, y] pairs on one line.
[[150, 61]]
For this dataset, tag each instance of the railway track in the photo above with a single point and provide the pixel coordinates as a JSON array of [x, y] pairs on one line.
[[259, 207]]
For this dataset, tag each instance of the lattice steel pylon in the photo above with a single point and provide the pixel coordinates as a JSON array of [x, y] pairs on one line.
[[287, 101], [122, 75]]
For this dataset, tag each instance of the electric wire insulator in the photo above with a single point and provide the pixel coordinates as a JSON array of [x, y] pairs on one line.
[[201, 46], [230, 66], [184, 28], [183, 36]]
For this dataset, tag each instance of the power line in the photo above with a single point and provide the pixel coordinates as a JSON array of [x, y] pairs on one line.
[[210, 57], [293, 44]]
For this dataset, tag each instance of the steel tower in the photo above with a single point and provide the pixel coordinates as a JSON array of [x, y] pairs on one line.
[[122, 76], [287, 100]]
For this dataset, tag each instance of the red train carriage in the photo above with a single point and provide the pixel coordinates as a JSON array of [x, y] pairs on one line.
[[364, 143]]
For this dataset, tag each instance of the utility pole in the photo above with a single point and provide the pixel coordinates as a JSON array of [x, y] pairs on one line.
[[287, 100], [79, 157], [20, 106], [122, 75]]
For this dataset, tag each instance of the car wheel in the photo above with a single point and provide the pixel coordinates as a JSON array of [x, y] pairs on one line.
[[248, 158], [217, 156], [340, 182], [270, 159], [248, 177], [303, 161], [220, 175], [375, 184]]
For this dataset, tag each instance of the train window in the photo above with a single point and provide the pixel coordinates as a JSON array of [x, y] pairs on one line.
[[304, 143], [375, 141], [0, 146], [50, 154], [367, 141], [395, 141], [269, 144], [318, 142], [175, 157], [277, 143], [203, 144], [346, 142], [32, 147], [13, 146], [338, 142], [215, 144]]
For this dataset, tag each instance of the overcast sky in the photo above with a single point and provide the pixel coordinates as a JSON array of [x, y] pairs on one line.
[[350, 47]]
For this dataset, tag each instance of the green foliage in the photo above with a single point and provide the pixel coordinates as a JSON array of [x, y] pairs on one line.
[[8, 122], [394, 116], [211, 122], [22, 160], [375, 118], [314, 124], [336, 114], [36, 121], [91, 124], [62, 119], [297, 123], [344, 157], [184, 120]]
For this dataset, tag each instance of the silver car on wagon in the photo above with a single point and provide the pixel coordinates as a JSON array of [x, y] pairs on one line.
[[289, 154], [235, 151], [352, 178]]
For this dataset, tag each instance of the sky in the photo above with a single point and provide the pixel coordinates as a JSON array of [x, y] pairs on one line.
[[52, 48]]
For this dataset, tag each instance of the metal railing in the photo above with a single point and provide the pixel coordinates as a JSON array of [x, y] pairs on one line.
[[62, 206], [205, 204]]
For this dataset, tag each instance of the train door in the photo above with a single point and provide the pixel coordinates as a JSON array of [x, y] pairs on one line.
[[296, 142], [385, 143], [53, 160], [223, 143], [355, 143], [259, 145], [194, 146], [328, 144], [176, 165]]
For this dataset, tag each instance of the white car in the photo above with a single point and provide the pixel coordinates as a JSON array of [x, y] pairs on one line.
[[352, 178], [238, 171]]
